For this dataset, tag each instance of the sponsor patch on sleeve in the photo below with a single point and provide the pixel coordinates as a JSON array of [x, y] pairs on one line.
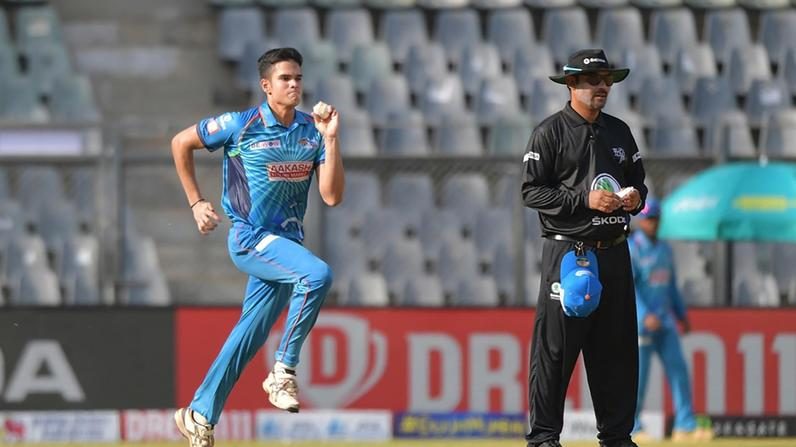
[[212, 126], [636, 157], [530, 156]]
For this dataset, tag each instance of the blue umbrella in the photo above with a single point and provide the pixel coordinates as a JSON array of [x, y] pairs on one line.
[[734, 201]]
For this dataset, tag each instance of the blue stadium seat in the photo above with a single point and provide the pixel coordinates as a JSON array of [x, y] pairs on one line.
[[693, 62], [368, 63], [467, 191], [779, 134], [38, 287], [367, 290], [746, 65], [777, 32], [386, 95], [510, 29], [424, 62], [39, 185], [619, 30], [730, 134], [20, 103], [458, 134], [320, 61], [356, 134], [383, 227], [9, 61], [424, 290], [497, 95], [37, 25], [546, 98], [404, 134], [788, 70], [236, 28], [479, 61], [337, 90], [493, 228], [347, 29], [671, 30], [643, 64], [764, 98], [565, 31], [74, 102], [401, 29], [457, 261], [288, 20], [456, 29], [710, 99], [402, 260], [412, 191], [531, 62], [477, 291], [726, 29], [674, 137], [442, 95], [509, 135], [658, 99], [363, 192]]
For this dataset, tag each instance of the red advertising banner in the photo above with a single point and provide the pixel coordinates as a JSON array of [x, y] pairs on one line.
[[442, 360]]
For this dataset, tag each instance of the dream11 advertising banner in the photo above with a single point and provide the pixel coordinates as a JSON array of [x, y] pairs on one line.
[[422, 361]]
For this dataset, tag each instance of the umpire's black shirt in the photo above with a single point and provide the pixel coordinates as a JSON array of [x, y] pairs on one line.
[[566, 158]]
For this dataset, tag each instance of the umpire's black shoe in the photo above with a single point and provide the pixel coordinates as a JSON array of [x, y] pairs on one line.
[[623, 443]]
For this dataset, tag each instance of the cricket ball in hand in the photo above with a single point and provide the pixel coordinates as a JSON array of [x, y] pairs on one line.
[[322, 109]]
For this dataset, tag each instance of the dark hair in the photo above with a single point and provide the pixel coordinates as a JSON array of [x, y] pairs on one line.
[[276, 55]]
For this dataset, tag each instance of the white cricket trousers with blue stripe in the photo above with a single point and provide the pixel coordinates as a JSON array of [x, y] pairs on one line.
[[280, 271]]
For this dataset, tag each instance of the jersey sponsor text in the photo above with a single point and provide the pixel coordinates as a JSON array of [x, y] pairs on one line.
[[290, 171]]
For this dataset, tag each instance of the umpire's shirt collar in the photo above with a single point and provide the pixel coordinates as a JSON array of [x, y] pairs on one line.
[[574, 119]]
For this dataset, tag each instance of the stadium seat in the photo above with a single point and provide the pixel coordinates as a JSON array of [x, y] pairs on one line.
[[565, 31], [480, 61], [36, 25], [9, 61], [477, 291], [337, 90], [456, 29], [285, 3], [402, 29], [443, 94], [247, 72], [660, 99], [332, 3], [466, 191], [510, 29], [143, 281], [495, 4], [777, 32], [5, 35], [783, 260], [390, 4], [384, 226], [672, 29], [424, 290], [343, 250], [498, 95], [602, 4], [746, 65], [79, 270], [643, 64], [443, 4], [618, 102], [230, 3], [549, 4], [37, 287], [368, 63], [509, 135], [438, 225], [710, 4], [5, 189], [458, 135], [320, 62], [288, 20], [402, 260], [698, 292], [56, 223], [369, 289], [764, 98], [531, 62], [507, 190], [23, 252], [725, 30], [20, 103], [457, 261], [711, 98], [755, 290], [503, 266], [386, 95], [729, 134], [74, 102], [533, 228], [14, 222], [779, 134], [788, 70], [236, 28], [410, 191], [532, 283], [363, 192], [356, 134], [38, 185], [674, 136], [424, 62], [546, 98], [619, 30], [764, 4], [691, 63], [493, 228], [404, 135], [348, 28]]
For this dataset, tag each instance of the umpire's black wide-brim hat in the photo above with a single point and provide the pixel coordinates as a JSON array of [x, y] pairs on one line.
[[589, 61]]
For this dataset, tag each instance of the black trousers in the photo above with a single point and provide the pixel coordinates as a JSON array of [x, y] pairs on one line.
[[609, 341]]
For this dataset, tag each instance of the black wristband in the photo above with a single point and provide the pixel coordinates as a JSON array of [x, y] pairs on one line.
[[194, 204]]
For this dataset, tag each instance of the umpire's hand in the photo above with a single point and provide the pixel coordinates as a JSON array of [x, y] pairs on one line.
[[604, 201], [205, 217]]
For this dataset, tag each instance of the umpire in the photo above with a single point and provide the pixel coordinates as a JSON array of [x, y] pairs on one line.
[[583, 174]]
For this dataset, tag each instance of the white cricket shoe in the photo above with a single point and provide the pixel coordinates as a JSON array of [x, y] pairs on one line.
[[282, 388], [197, 432]]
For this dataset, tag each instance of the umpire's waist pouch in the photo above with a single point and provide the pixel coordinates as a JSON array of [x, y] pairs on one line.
[[580, 283]]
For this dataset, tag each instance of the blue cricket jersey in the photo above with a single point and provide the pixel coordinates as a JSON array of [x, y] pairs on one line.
[[656, 282], [267, 170]]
